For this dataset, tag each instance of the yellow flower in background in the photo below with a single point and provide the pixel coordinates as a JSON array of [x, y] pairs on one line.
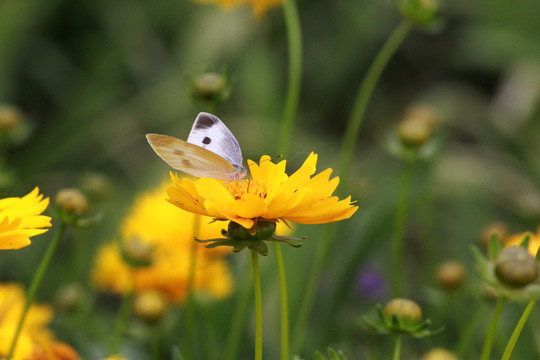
[[36, 342], [169, 233], [260, 7], [20, 218], [270, 195], [534, 241]]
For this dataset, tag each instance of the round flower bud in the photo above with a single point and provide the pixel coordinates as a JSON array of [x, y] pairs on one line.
[[414, 131], [450, 274], [10, 117], [137, 253], [150, 306], [439, 354], [69, 297], [96, 185], [209, 86], [498, 228], [72, 201], [407, 311], [515, 267]]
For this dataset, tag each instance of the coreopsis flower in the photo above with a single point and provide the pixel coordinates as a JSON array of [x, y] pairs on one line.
[[270, 195], [534, 241], [20, 219], [36, 341], [260, 7], [154, 253]]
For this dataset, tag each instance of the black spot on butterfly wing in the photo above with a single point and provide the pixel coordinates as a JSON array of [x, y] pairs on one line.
[[206, 140], [204, 121]]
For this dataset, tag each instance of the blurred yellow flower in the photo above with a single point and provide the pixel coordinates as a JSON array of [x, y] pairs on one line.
[[270, 195], [35, 342], [169, 232], [259, 6], [534, 240], [20, 219]]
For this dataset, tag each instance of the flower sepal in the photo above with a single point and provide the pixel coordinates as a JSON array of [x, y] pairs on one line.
[[240, 238], [392, 324]]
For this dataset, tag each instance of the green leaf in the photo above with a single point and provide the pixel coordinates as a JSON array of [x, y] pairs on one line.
[[525, 242], [495, 246]]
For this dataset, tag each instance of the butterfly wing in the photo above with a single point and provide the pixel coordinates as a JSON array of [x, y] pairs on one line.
[[210, 133], [191, 159]]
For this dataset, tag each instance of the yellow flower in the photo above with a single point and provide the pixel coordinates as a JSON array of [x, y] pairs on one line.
[[259, 6], [534, 241], [35, 341], [20, 219], [169, 232], [270, 195]]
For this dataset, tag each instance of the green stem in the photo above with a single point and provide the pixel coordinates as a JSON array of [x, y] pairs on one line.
[[38, 276], [190, 301], [397, 348], [284, 303], [364, 95], [517, 330], [398, 235], [346, 153], [258, 304], [469, 331], [237, 320], [490, 337], [294, 40], [121, 324]]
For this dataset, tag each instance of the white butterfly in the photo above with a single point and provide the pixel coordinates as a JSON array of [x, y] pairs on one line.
[[211, 150]]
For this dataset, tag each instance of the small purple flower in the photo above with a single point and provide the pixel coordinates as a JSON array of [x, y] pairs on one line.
[[370, 284]]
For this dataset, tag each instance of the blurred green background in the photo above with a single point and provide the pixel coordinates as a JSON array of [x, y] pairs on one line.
[[93, 78]]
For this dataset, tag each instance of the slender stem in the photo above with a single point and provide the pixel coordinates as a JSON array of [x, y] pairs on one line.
[[308, 295], [490, 337], [258, 304], [190, 301], [346, 153], [38, 276], [518, 328], [121, 323], [469, 331], [364, 95], [398, 235], [237, 320], [397, 348], [294, 40], [284, 303]]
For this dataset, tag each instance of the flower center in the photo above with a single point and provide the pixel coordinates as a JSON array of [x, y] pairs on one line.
[[238, 188]]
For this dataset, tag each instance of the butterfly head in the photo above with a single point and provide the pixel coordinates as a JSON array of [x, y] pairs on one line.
[[240, 172]]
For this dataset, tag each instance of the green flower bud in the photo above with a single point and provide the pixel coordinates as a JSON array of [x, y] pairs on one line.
[[439, 354], [450, 274], [150, 306], [10, 117], [210, 87], [422, 13], [499, 228], [69, 297], [515, 267], [96, 185], [137, 253], [71, 201], [407, 311]]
